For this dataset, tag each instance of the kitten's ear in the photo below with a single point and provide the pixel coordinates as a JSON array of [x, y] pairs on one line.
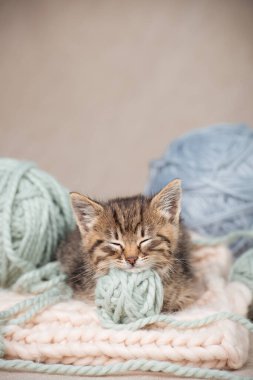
[[168, 201], [86, 211]]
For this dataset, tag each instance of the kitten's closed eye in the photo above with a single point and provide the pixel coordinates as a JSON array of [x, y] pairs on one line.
[[154, 245], [116, 245], [144, 242]]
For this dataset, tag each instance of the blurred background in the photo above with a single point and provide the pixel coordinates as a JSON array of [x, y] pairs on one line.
[[93, 90]]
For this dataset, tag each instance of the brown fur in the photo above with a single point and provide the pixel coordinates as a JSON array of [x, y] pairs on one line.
[[115, 233]]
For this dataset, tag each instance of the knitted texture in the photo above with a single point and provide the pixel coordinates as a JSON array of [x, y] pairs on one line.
[[71, 333], [35, 214], [124, 297], [215, 165]]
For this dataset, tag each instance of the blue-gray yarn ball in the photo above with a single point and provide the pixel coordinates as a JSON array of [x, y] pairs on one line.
[[35, 214], [216, 166]]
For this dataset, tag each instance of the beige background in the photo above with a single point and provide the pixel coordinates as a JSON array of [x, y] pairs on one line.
[[92, 90]]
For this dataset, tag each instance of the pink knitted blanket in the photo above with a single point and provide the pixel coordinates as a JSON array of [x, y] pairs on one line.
[[70, 332]]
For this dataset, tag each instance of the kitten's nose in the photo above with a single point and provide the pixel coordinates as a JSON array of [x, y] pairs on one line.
[[131, 259]]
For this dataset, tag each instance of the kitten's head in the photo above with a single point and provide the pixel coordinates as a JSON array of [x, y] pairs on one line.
[[132, 234]]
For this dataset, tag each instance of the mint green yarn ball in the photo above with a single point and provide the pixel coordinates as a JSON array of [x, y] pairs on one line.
[[124, 297], [35, 214]]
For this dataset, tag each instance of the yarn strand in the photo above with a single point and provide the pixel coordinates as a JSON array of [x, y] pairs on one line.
[[133, 326], [118, 368]]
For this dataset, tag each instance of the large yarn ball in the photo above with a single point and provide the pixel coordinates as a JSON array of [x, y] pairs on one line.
[[216, 166], [124, 297], [35, 214]]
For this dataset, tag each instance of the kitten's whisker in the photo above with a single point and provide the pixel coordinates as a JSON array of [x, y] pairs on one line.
[[86, 271]]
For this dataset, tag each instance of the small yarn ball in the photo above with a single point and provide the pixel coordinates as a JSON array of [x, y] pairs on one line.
[[35, 214], [216, 166], [123, 297]]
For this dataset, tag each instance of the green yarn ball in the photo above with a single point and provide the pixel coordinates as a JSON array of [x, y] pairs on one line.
[[35, 214], [124, 297]]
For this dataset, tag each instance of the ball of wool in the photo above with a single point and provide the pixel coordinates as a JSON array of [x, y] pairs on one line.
[[35, 214], [124, 297], [216, 166]]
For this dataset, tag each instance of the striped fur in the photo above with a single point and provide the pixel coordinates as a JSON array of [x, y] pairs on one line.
[[133, 233]]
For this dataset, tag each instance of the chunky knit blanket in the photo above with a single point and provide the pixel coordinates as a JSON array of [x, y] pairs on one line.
[[70, 332]]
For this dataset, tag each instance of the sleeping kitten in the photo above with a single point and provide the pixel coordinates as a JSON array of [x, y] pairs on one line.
[[132, 234]]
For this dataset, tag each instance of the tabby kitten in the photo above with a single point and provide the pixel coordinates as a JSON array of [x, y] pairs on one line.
[[132, 234]]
